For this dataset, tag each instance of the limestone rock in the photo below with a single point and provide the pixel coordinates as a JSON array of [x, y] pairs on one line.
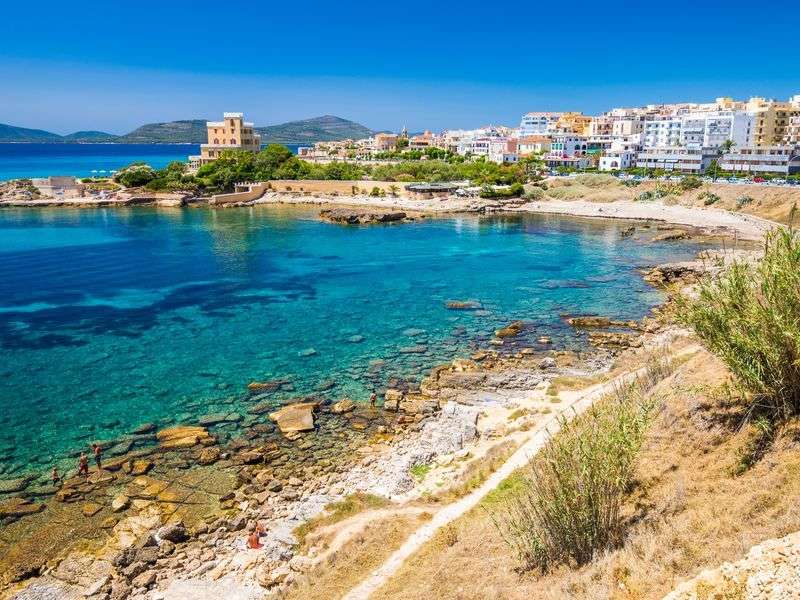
[[294, 417], [511, 330], [391, 399], [182, 436], [348, 216], [589, 321], [209, 455], [18, 507], [120, 503], [9, 486], [344, 405], [463, 305], [90, 509], [174, 532]]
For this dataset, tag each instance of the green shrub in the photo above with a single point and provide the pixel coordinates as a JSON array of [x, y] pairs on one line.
[[689, 182], [533, 192], [644, 196], [513, 191], [743, 201], [375, 192], [750, 316], [135, 175], [708, 198], [566, 505]]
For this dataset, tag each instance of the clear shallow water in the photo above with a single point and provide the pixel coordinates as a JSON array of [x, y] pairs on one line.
[[86, 160], [112, 318]]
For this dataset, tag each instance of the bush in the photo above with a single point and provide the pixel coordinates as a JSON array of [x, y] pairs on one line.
[[708, 198], [750, 316], [644, 196], [743, 201], [566, 508], [596, 181], [135, 175], [513, 191], [533, 192], [689, 183]]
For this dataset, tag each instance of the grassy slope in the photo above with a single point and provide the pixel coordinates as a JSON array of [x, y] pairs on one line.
[[687, 511], [772, 203]]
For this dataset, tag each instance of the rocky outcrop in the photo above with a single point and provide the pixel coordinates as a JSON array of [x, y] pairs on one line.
[[183, 436], [770, 571], [510, 330], [348, 216], [295, 418]]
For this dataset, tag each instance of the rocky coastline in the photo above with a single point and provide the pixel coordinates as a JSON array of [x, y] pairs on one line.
[[176, 513]]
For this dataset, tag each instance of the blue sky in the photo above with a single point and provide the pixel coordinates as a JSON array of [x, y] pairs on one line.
[[112, 66]]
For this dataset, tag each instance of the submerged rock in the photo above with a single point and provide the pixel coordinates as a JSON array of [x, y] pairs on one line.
[[463, 305], [511, 330], [13, 508], [589, 321]]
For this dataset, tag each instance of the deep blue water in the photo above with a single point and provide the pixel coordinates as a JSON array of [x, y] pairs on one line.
[[86, 160], [111, 318]]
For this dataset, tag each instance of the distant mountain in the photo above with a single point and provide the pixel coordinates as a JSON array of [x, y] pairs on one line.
[[308, 131], [173, 132], [10, 133], [95, 137]]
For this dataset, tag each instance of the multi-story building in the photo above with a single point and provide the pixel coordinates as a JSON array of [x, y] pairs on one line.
[[772, 160], [384, 142], [538, 123], [420, 142], [533, 144], [564, 144], [503, 150], [792, 135], [621, 155], [712, 129], [572, 122], [771, 119], [232, 133], [661, 132], [693, 161]]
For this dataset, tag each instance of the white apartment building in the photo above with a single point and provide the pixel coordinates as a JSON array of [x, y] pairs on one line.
[[622, 154], [690, 161], [564, 144], [661, 132], [538, 123], [712, 129], [772, 160], [503, 150]]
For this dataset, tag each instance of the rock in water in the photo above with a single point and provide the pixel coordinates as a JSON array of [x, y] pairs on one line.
[[344, 405], [294, 417], [463, 305], [183, 436], [511, 330], [348, 216]]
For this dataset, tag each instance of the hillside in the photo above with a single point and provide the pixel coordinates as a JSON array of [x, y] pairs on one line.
[[90, 137], [11, 133], [173, 132], [307, 131]]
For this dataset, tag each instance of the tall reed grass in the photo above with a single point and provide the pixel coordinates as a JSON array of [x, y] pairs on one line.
[[749, 315], [567, 505]]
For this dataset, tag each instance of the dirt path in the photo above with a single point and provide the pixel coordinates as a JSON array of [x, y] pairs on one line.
[[538, 437]]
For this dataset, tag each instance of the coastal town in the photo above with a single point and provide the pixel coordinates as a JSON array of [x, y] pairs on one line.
[[751, 137]]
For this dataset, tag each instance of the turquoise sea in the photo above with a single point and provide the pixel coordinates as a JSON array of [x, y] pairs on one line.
[[86, 160], [110, 318]]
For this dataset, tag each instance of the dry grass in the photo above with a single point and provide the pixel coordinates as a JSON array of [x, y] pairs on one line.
[[687, 511], [339, 511], [573, 383], [346, 568], [476, 472]]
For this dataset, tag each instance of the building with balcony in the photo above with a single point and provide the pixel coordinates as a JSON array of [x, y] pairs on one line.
[[538, 123], [711, 129], [767, 160], [533, 144], [232, 133], [690, 161]]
